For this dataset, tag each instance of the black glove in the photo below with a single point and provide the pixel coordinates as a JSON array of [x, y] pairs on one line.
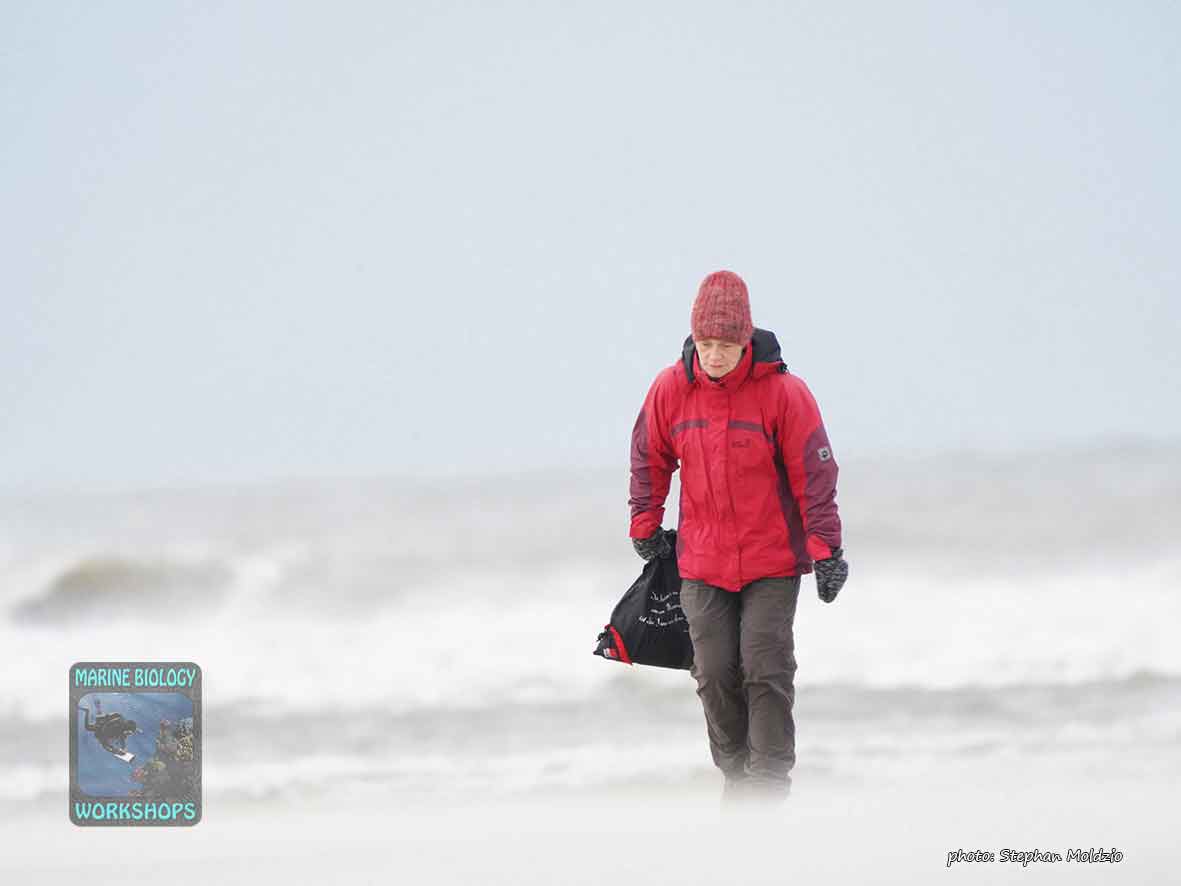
[[831, 575], [655, 545]]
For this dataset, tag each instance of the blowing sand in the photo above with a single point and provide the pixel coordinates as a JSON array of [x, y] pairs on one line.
[[875, 831]]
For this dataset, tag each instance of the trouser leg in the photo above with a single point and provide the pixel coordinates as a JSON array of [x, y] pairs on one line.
[[713, 614], [767, 651]]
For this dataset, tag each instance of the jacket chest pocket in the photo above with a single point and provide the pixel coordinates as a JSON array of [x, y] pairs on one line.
[[688, 439], [749, 449]]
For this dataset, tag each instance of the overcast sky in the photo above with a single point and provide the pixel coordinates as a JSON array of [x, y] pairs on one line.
[[245, 241]]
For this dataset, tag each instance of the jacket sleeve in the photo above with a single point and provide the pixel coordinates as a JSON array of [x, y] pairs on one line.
[[652, 463], [811, 468]]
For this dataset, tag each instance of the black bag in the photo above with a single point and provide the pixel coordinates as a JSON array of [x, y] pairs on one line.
[[648, 626]]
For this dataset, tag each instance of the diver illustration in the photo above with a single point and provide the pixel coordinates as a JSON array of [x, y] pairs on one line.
[[111, 730]]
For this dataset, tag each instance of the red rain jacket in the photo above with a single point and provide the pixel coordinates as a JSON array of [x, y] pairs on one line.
[[758, 477]]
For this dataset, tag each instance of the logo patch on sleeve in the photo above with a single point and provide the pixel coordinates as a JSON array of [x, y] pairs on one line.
[[824, 452]]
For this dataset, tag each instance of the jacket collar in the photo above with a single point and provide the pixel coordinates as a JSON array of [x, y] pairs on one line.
[[759, 358]]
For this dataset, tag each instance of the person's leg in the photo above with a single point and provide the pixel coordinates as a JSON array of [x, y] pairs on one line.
[[712, 614], [767, 647]]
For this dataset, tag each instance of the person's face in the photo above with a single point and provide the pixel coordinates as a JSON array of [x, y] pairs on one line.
[[717, 357]]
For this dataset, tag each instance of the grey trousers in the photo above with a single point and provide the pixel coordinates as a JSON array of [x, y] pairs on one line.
[[744, 664]]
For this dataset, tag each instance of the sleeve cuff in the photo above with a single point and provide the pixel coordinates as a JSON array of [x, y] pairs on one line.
[[643, 525], [817, 549]]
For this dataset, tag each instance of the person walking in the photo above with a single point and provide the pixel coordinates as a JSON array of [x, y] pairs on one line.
[[757, 512]]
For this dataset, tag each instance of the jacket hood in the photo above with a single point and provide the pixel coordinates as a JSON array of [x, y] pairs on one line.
[[765, 358]]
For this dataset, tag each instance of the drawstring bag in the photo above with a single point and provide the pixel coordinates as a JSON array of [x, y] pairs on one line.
[[648, 626]]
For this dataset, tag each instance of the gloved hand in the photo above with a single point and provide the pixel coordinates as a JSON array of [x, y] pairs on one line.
[[831, 575], [655, 545]]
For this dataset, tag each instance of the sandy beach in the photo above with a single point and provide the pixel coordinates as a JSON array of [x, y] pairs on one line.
[[875, 831]]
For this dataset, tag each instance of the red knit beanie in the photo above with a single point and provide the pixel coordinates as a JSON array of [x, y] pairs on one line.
[[722, 309]]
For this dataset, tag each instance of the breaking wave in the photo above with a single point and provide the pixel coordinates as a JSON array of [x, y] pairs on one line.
[[103, 588]]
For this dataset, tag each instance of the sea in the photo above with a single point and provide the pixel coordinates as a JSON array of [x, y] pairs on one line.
[[413, 635]]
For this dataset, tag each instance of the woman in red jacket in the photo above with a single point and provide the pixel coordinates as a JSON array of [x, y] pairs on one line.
[[757, 511]]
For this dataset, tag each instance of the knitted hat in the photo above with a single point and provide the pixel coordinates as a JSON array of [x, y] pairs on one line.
[[722, 309]]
